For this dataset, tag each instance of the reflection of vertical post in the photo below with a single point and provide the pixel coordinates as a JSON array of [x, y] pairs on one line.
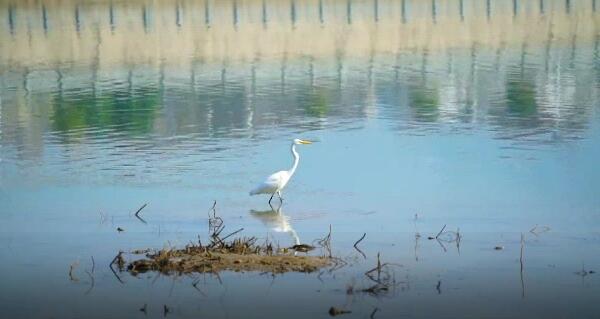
[[59, 81], [473, 60], [193, 77], [130, 81], [488, 9], [206, 14], [568, 6], [11, 19], [161, 78], [44, 19], [424, 63], [597, 46], [376, 10], [339, 71], [96, 61], [541, 6], [515, 8], [523, 55], [370, 72], [403, 8], [178, 15], [253, 77], [223, 77], [77, 22], [311, 72], [25, 80], [283, 67], [293, 12], [594, 5], [461, 8], [349, 11], [235, 13], [111, 17], [145, 18], [433, 11], [264, 13], [321, 11]]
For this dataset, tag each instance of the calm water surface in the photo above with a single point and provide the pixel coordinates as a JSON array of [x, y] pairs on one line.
[[480, 115]]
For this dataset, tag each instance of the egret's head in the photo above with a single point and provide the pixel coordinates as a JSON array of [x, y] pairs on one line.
[[299, 141]]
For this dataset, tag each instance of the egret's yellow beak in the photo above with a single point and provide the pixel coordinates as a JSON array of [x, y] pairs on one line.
[[305, 142]]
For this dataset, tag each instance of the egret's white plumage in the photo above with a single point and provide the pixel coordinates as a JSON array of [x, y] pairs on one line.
[[277, 181]]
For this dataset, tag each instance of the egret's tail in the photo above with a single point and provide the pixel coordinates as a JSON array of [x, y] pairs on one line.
[[255, 191], [260, 189]]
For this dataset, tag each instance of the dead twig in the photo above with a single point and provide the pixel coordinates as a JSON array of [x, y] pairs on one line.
[[333, 311], [357, 242], [521, 262], [71, 268], [144, 309], [235, 232], [166, 310], [137, 213], [438, 235], [372, 316], [93, 264]]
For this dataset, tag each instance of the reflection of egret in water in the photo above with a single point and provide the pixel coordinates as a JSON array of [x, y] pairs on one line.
[[277, 221]]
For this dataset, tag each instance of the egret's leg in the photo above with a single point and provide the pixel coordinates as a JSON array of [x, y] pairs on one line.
[[280, 198], [271, 198]]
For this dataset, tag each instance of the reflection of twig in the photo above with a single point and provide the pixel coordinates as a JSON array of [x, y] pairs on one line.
[[458, 238], [214, 221], [93, 264], [447, 237], [92, 284], [442, 245], [103, 218], [536, 230], [583, 273], [521, 262], [382, 283], [438, 287], [372, 316], [417, 237], [119, 260], [195, 285], [325, 242], [357, 242], [138, 212]]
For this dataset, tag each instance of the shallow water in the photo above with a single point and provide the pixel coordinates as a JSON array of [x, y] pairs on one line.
[[479, 115]]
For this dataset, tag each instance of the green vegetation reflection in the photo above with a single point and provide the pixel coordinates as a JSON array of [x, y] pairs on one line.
[[130, 112]]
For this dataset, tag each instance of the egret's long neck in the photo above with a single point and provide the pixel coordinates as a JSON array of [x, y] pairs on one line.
[[296, 160]]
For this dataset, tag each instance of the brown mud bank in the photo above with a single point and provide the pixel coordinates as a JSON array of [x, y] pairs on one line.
[[220, 254], [238, 255]]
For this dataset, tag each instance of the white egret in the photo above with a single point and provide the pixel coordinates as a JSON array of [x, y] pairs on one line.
[[277, 181]]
